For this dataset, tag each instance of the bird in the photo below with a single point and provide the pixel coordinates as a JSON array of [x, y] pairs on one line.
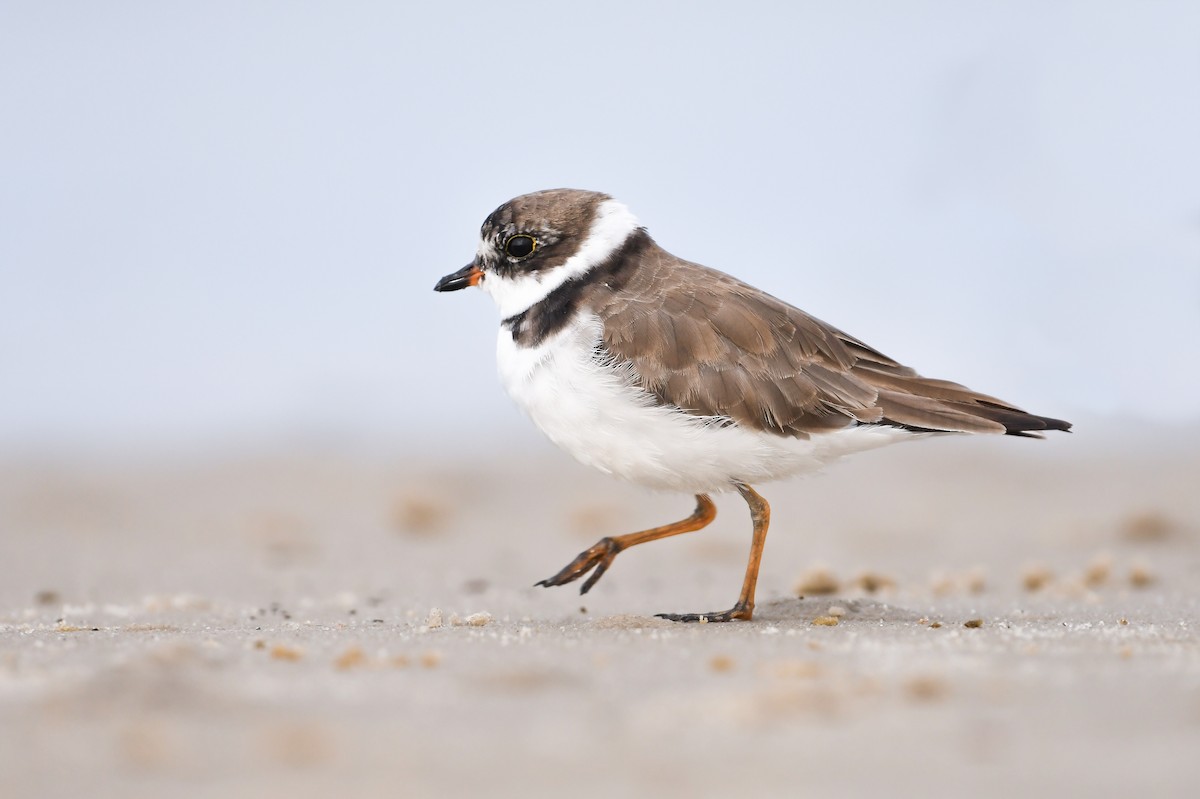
[[680, 377]]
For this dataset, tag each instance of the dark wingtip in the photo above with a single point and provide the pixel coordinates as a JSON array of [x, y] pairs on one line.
[[1033, 426], [1018, 422]]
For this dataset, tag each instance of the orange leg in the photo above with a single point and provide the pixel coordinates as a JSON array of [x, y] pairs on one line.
[[760, 515], [600, 556]]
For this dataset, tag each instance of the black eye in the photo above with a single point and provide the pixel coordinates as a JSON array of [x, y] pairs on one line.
[[520, 246]]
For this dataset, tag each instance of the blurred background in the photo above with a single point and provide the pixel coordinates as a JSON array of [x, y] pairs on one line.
[[221, 223], [269, 526]]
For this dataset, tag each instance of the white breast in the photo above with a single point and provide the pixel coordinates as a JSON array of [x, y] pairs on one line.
[[593, 411]]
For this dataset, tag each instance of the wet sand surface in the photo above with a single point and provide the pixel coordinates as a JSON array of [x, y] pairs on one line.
[[952, 617]]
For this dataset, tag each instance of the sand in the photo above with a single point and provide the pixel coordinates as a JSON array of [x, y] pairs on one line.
[[980, 618]]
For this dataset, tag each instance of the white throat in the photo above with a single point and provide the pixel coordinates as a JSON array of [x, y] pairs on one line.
[[614, 223]]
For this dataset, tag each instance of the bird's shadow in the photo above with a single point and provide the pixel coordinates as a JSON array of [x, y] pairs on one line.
[[802, 610]]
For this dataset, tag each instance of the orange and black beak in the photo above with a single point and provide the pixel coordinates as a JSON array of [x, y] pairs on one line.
[[467, 276]]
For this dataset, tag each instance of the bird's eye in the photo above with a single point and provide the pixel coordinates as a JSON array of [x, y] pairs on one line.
[[520, 246]]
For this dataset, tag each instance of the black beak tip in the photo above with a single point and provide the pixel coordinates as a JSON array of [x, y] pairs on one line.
[[467, 276], [450, 283]]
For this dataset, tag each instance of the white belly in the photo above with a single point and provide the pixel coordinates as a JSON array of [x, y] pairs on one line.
[[592, 411]]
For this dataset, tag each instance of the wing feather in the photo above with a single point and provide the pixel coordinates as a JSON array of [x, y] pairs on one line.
[[711, 345]]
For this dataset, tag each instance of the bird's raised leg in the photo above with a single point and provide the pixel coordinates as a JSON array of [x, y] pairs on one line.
[[760, 515], [600, 556]]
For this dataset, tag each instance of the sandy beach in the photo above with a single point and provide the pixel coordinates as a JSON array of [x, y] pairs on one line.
[[270, 527], [963, 617]]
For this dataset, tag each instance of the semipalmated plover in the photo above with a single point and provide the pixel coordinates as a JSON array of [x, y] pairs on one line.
[[677, 376]]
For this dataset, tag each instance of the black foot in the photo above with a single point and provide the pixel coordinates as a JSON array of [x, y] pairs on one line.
[[737, 613], [598, 557]]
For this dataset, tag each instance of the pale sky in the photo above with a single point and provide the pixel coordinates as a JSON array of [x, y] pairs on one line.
[[224, 220]]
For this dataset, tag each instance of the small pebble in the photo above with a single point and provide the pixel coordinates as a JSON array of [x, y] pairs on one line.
[[1140, 576], [283, 652], [871, 582], [1098, 570], [419, 516], [926, 688], [1036, 577], [1149, 526], [47, 598], [721, 663], [354, 656], [816, 581], [975, 580]]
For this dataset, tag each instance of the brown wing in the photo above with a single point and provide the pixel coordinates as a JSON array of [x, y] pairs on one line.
[[711, 345]]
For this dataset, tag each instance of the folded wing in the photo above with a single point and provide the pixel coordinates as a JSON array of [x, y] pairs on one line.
[[711, 345]]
